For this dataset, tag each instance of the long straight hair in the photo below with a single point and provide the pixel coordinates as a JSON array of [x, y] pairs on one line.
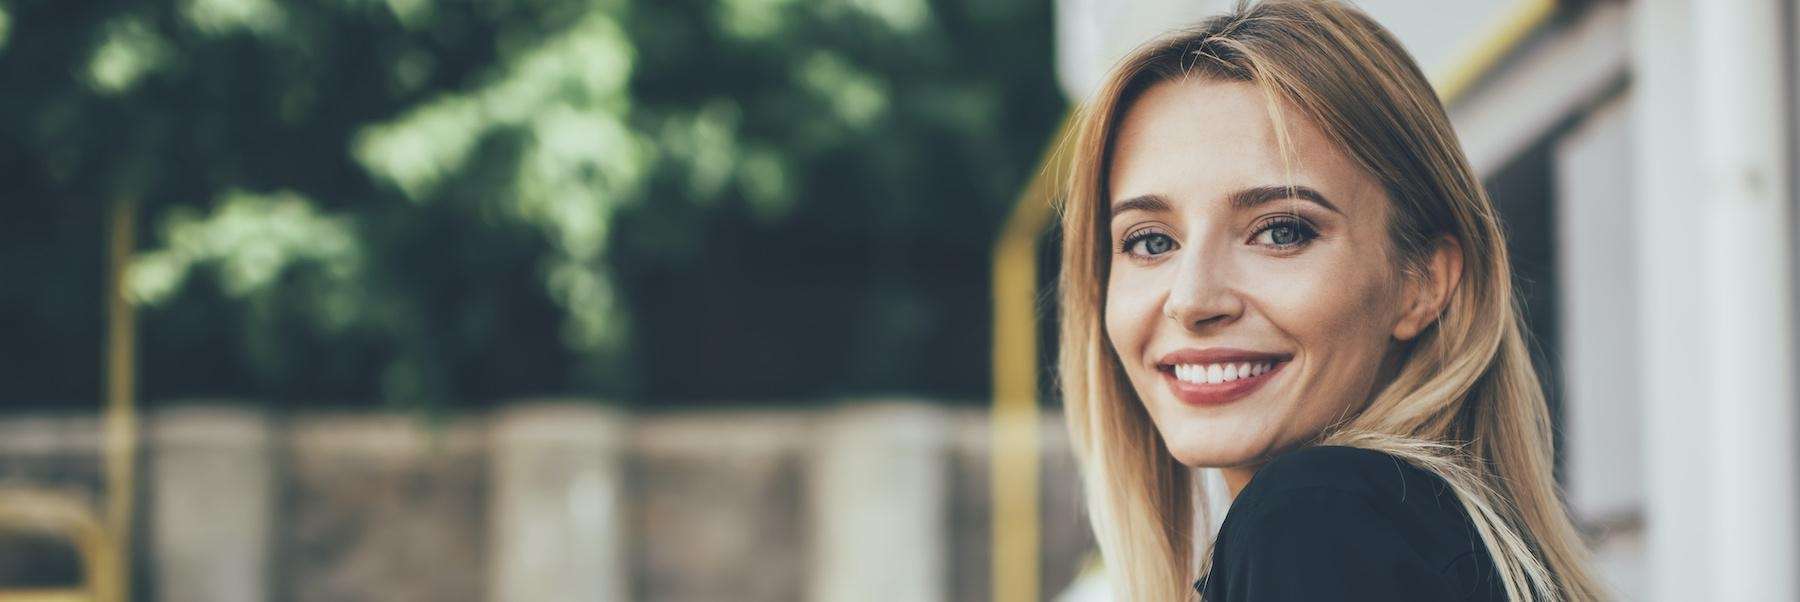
[[1465, 403]]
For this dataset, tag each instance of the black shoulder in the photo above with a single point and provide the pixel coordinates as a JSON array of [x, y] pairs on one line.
[[1357, 521], [1354, 470], [1321, 543]]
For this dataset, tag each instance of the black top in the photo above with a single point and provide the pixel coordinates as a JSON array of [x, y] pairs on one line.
[[1341, 523]]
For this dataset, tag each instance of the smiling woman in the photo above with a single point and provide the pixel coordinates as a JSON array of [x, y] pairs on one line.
[[1278, 263], [1225, 261]]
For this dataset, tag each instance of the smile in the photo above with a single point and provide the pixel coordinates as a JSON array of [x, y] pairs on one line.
[[1215, 377], [1212, 374]]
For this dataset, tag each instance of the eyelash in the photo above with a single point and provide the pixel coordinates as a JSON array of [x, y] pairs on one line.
[[1131, 241], [1304, 231]]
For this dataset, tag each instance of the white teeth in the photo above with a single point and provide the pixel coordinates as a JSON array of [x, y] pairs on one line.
[[1212, 374]]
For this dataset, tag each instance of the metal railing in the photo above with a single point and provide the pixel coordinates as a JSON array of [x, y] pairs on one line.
[[99, 535]]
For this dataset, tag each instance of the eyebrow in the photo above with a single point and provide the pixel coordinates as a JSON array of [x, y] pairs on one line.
[[1242, 199]]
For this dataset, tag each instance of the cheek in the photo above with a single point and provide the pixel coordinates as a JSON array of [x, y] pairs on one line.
[[1130, 312], [1331, 306]]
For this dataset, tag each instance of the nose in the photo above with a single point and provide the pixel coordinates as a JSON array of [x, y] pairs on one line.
[[1202, 294]]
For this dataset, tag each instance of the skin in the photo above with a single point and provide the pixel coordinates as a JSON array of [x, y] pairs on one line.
[[1288, 275]]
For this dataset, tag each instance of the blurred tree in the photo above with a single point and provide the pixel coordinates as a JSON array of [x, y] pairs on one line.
[[436, 203]]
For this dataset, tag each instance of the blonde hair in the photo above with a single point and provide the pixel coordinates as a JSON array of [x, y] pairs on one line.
[[1465, 404]]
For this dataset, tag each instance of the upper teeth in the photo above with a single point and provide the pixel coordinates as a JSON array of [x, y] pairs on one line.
[[1220, 373]]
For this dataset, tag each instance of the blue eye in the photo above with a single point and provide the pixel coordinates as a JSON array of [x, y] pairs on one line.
[[1284, 233], [1147, 243]]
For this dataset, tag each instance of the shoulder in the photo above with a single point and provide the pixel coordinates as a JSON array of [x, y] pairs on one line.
[[1350, 470], [1342, 490], [1352, 520]]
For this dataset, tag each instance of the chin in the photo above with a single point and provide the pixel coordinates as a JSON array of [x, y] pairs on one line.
[[1235, 436], [1204, 450]]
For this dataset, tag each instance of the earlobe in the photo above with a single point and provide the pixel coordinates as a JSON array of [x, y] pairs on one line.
[[1430, 293]]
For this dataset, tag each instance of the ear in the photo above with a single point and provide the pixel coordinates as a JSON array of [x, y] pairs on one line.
[[1427, 294]]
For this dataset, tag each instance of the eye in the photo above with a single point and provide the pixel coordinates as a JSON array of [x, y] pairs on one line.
[[1284, 233], [1147, 243]]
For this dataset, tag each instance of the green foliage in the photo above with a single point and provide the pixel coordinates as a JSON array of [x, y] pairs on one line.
[[450, 202]]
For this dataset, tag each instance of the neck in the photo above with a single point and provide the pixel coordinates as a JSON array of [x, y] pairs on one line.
[[1236, 477]]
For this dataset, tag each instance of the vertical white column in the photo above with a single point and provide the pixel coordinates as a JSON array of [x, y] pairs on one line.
[[1716, 293], [1603, 407], [1597, 298], [555, 522], [1747, 274], [211, 504], [1673, 317], [878, 481]]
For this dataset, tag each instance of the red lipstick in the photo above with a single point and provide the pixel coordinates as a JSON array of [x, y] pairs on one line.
[[1218, 375]]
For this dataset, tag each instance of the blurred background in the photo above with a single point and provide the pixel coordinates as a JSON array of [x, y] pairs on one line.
[[750, 299]]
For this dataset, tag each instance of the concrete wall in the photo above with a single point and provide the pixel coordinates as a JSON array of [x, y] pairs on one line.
[[559, 499]]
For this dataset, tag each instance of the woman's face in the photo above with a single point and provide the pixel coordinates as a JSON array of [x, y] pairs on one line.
[[1248, 318]]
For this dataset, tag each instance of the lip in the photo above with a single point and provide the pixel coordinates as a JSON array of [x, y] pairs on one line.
[[1219, 394]]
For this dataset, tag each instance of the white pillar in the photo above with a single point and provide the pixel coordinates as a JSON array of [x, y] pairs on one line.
[[1716, 294], [879, 481], [1747, 272], [1672, 314], [1596, 261], [556, 525], [211, 504], [1603, 384]]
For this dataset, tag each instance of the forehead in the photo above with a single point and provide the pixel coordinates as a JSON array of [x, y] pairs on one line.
[[1199, 140]]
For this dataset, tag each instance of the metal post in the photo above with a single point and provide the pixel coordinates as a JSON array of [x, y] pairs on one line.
[[111, 580]]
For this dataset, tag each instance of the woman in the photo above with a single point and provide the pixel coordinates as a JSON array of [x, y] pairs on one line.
[[1277, 262]]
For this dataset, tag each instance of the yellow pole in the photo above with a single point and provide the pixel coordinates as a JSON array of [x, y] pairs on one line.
[[1014, 456], [1488, 47], [113, 563]]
